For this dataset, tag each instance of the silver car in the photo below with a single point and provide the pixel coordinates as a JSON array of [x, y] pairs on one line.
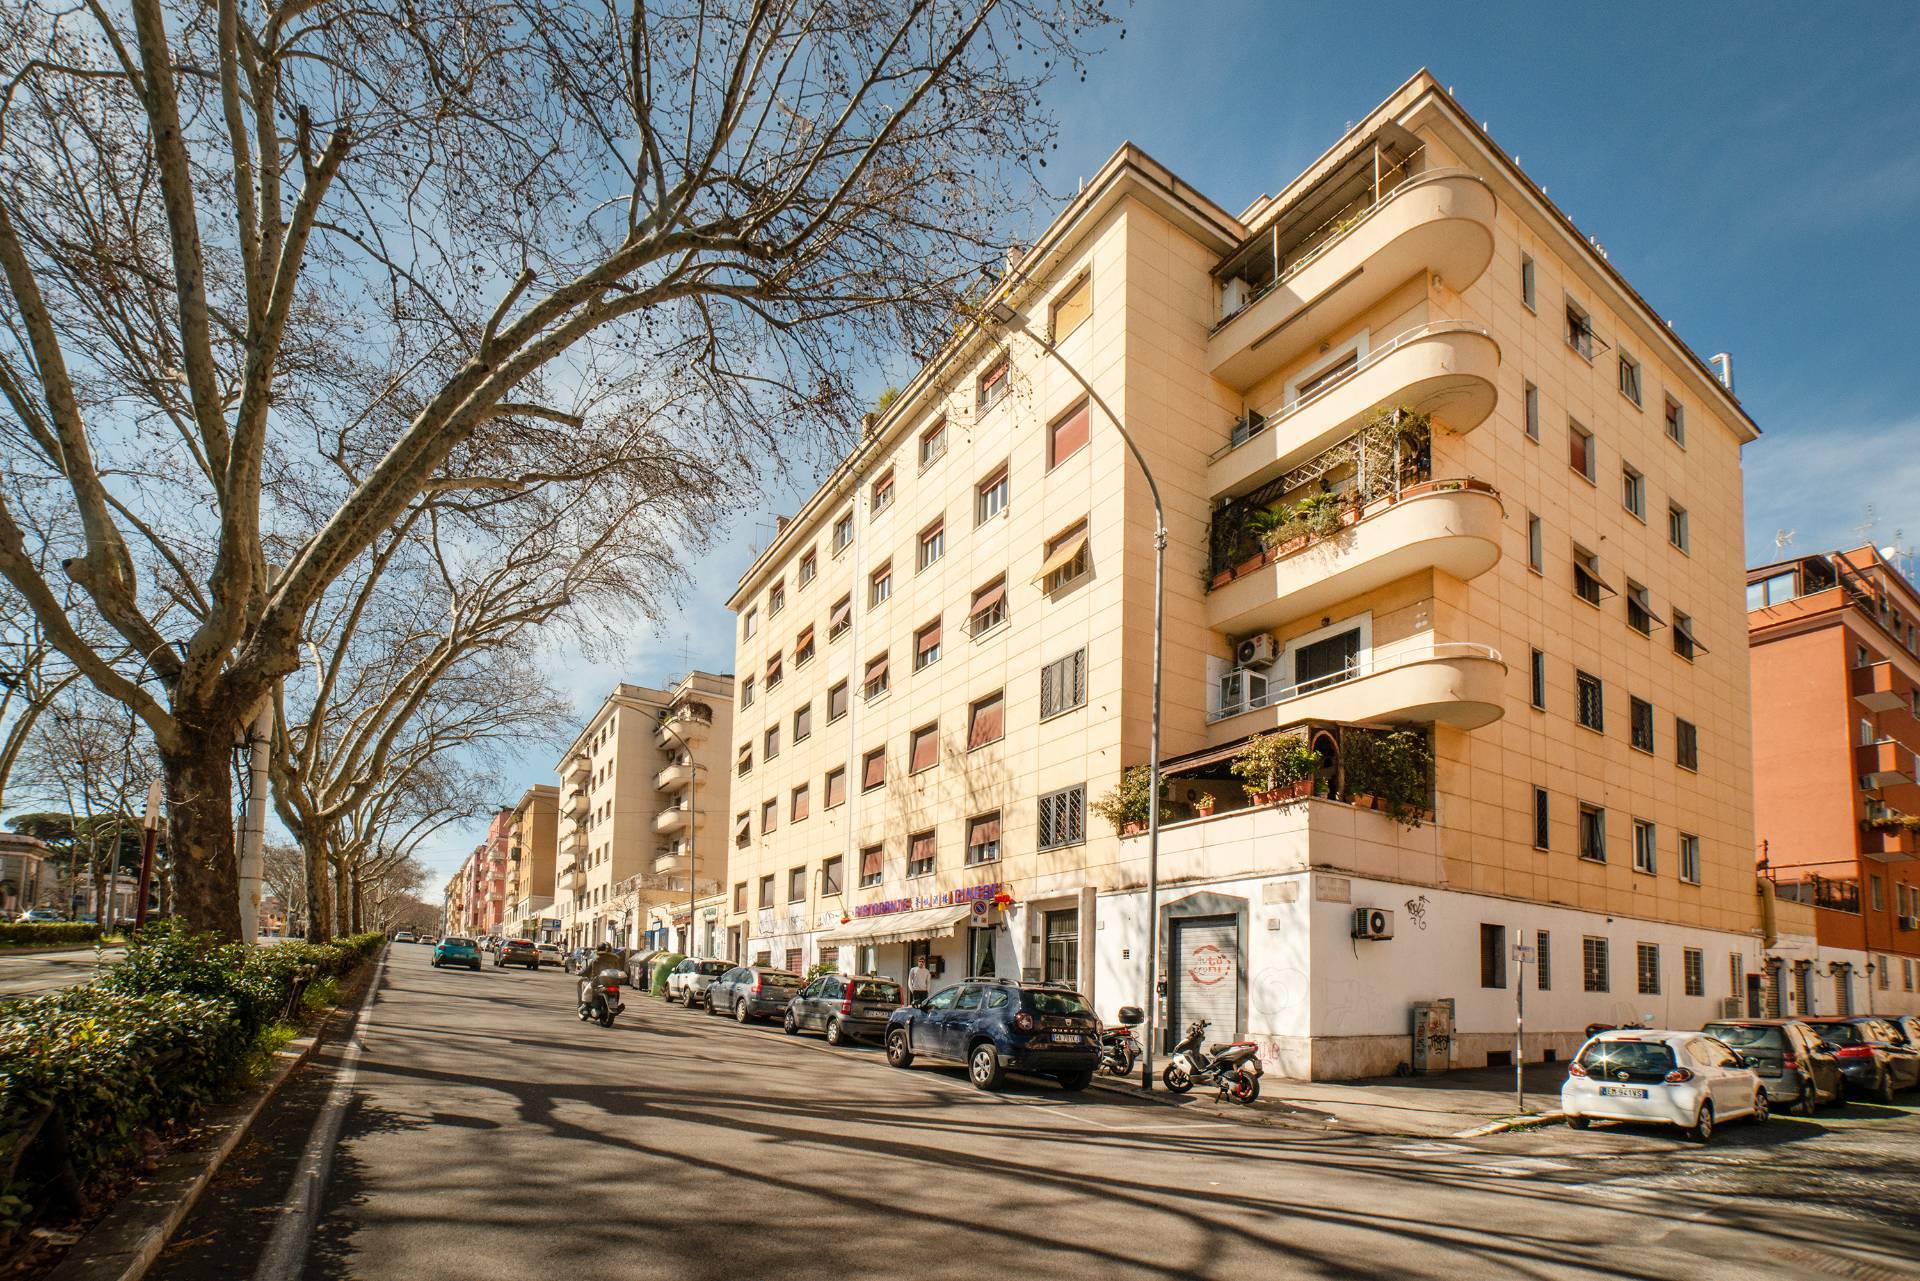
[[688, 981]]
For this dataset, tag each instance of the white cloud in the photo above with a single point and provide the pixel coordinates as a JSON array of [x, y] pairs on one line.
[[1819, 482]]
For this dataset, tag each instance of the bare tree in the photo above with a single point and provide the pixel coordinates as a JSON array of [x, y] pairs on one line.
[[277, 274], [285, 875]]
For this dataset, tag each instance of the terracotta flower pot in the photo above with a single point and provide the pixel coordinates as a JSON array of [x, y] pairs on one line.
[[1222, 578], [1134, 828]]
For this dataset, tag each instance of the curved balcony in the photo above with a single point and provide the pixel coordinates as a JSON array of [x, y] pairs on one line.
[[1879, 688], [1440, 221], [673, 777], [576, 806], [684, 726], [672, 819], [1450, 525], [575, 842], [665, 863], [1446, 368], [573, 878], [1444, 682]]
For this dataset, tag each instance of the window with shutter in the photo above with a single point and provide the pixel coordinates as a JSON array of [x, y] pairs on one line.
[[1328, 661], [986, 720], [926, 646], [803, 647], [803, 723], [840, 618], [920, 854], [797, 810], [836, 787], [989, 608], [874, 681], [1063, 684], [837, 702], [983, 838], [1067, 435], [832, 876], [873, 769], [925, 749], [872, 865]]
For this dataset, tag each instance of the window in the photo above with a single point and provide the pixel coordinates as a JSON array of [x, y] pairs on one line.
[[770, 747], [843, 533], [1542, 826], [1633, 491], [766, 890], [986, 720], [983, 838], [776, 598], [739, 896], [1327, 375], [1771, 590], [994, 384], [797, 885], [1579, 329], [1536, 548], [743, 831], [874, 681], [833, 876], [1684, 643], [803, 647], [809, 566], [1590, 701], [746, 692], [1689, 858], [837, 702], [1067, 558], [926, 646], [990, 495], [872, 865], [873, 769], [933, 444], [769, 816], [1640, 723], [836, 787], [1885, 970], [1527, 281], [1646, 854], [803, 723], [1539, 694], [1066, 435], [774, 673], [1629, 378], [1074, 305], [798, 803], [1063, 947], [840, 618], [1877, 893], [933, 543], [1594, 965], [1543, 960], [1593, 833], [1530, 396], [920, 854], [1647, 968], [924, 748], [1587, 583], [880, 585], [882, 493], [750, 625], [1686, 744], [1493, 955], [1580, 450], [743, 764], [1063, 684], [1676, 422], [1063, 817], [989, 608], [1677, 532]]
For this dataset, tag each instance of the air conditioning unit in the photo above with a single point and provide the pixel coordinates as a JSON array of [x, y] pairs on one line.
[[1729, 1007], [1234, 293], [1242, 691], [1255, 651], [1910, 922], [1372, 923]]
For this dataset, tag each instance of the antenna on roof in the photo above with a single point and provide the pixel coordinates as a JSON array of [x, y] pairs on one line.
[[1783, 539], [1866, 527]]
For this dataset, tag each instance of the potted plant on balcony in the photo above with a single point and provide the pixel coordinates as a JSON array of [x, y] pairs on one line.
[[1276, 767], [1125, 806], [1389, 770], [1203, 804]]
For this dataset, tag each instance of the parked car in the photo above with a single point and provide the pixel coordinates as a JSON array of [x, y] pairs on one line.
[[688, 981], [749, 992], [575, 958], [1791, 1060], [519, 952], [405, 936], [999, 1025], [549, 953], [845, 1007], [40, 915], [1876, 1059], [1685, 1079], [456, 950]]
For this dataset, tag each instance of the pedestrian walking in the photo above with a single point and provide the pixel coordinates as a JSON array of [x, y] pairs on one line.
[[917, 979]]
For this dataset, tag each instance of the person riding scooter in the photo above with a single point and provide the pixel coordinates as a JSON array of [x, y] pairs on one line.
[[600, 978]]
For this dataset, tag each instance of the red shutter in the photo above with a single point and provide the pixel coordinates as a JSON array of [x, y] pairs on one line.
[[836, 788], [870, 862], [926, 749], [987, 721], [841, 613], [1068, 435], [987, 599], [875, 771], [983, 831], [929, 640], [922, 848], [876, 670]]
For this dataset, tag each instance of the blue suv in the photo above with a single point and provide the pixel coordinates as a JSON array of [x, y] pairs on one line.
[[999, 1025]]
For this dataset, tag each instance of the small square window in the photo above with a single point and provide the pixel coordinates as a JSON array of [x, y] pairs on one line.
[[1629, 378], [1633, 491], [1063, 818], [882, 493], [994, 384], [926, 646], [933, 444], [880, 585], [1063, 684]]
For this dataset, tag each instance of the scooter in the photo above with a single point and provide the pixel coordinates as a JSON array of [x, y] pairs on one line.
[[1234, 1067], [1119, 1048], [600, 998]]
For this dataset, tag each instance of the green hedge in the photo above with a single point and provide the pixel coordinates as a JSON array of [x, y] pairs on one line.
[[47, 933], [85, 1073]]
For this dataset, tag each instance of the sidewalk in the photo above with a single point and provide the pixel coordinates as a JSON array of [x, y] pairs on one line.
[[1445, 1106]]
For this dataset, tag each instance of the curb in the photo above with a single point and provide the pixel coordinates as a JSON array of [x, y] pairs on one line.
[[1508, 1124], [1278, 1116], [124, 1244]]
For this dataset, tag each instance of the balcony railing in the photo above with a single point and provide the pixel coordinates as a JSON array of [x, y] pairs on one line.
[[1387, 659], [1838, 894]]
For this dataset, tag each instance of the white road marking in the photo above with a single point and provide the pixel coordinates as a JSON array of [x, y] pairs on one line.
[[285, 1255]]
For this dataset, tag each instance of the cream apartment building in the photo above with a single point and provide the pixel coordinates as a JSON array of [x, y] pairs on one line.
[[532, 847], [947, 653], [643, 805]]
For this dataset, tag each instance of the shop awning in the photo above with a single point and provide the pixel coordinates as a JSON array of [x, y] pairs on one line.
[[898, 927]]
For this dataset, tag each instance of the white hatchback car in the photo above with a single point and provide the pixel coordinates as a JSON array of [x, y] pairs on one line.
[[1684, 1079]]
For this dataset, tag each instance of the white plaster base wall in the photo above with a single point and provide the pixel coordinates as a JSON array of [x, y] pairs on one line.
[[1326, 1006], [1869, 997]]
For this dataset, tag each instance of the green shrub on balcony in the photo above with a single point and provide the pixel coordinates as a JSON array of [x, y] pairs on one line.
[[1274, 767], [1392, 768], [1125, 806]]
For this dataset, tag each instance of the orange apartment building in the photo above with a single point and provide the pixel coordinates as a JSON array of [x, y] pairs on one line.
[[1834, 641]]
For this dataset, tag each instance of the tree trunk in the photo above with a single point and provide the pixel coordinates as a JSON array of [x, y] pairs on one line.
[[342, 897], [206, 884], [358, 922], [319, 897]]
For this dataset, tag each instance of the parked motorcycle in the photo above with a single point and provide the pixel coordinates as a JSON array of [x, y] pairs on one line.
[[600, 997], [1119, 1047], [1234, 1067]]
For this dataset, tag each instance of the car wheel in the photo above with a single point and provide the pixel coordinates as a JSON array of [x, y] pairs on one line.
[[1579, 1122], [1762, 1107], [1702, 1131], [710, 1009], [740, 1014], [983, 1067], [790, 1025], [899, 1052], [1176, 1080], [1809, 1098], [1075, 1081], [836, 1035]]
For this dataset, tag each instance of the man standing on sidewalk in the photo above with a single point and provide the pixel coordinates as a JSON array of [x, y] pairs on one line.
[[917, 980]]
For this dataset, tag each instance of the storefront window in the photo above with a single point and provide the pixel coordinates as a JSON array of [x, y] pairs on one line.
[[1063, 946]]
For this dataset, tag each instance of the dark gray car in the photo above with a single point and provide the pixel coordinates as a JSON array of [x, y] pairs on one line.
[[749, 992], [844, 1007], [1792, 1061]]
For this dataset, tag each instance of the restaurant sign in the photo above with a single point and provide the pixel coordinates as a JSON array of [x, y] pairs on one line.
[[938, 898]]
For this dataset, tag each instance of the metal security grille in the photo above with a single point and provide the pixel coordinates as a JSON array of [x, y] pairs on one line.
[[1648, 967], [1206, 978], [1802, 987], [1543, 960], [1843, 989], [1774, 1009], [1593, 964], [1693, 970], [1063, 946], [1063, 684], [1063, 817]]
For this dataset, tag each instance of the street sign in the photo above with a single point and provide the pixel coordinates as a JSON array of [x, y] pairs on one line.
[[1522, 952]]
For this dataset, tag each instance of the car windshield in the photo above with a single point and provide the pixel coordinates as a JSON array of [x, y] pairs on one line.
[[1636, 1060], [1065, 1003], [1741, 1036], [714, 967], [877, 990], [1842, 1033]]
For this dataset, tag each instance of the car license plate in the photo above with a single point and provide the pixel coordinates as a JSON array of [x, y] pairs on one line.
[[1623, 1091], [1066, 1036]]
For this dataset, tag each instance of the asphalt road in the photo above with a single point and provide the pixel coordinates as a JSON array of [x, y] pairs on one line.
[[38, 973], [487, 1132]]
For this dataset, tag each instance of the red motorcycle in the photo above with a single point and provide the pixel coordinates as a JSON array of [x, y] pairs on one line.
[[1234, 1067]]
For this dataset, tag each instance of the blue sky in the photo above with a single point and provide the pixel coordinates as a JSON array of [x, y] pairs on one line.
[[1753, 169]]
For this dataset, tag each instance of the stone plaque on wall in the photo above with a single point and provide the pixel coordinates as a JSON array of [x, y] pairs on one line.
[[1280, 892], [1333, 889]]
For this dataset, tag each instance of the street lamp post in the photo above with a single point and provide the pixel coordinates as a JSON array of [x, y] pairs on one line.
[[1003, 314]]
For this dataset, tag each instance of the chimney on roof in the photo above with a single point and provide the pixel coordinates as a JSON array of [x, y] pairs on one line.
[[780, 524], [1015, 256], [1722, 363]]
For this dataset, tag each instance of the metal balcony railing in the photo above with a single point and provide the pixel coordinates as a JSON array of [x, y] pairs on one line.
[[1378, 661]]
